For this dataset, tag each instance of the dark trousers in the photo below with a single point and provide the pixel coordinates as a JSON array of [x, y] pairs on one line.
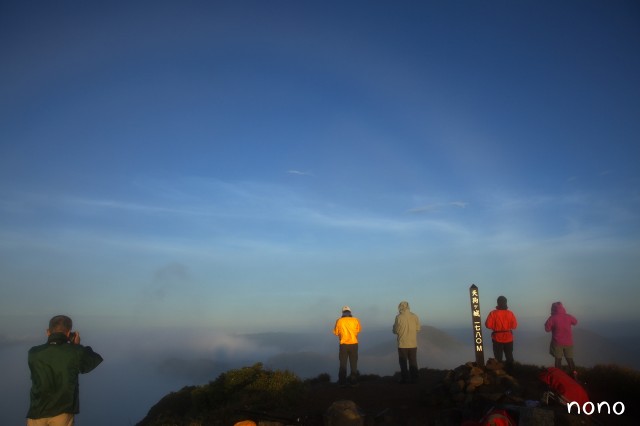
[[507, 350], [348, 353], [410, 356]]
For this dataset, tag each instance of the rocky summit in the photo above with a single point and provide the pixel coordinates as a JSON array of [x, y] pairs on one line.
[[464, 395]]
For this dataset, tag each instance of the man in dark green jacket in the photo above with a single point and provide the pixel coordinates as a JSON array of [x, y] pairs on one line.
[[54, 374]]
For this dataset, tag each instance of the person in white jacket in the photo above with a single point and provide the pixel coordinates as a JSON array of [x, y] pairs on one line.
[[406, 327]]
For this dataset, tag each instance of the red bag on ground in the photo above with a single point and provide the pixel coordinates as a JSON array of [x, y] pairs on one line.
[[495, 417], [566, 388]]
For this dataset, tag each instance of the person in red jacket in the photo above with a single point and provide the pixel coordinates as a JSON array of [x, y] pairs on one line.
[[559, 324], [502, 322]]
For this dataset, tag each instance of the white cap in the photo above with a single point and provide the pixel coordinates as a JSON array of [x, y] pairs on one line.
[[346, 308]]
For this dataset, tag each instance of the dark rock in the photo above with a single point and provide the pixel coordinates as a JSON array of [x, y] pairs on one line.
[[532, 416], [343, 413]]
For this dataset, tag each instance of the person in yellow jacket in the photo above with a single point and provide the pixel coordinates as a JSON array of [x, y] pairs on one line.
[[347, 328]]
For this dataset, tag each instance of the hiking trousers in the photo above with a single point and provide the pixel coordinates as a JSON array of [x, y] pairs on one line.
[[64, 419], [348, 353], [504, 348], [408, 356]]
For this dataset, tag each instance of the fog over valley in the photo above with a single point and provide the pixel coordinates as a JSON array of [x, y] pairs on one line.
[[141, 366]]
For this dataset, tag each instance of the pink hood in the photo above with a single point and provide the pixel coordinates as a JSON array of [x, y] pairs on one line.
[[559, 324], [557, 308]]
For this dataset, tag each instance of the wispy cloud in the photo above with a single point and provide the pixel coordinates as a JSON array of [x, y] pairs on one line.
[[26, 202], [360, 222], [236, 206], [461, 204], [298, 172], [424, 209], [437, 206], [133, 207]]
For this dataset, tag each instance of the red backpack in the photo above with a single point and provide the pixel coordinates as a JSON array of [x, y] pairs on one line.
[[564, 386], [495, 417]]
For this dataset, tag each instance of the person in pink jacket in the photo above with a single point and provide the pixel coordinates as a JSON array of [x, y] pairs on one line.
[[559, 324]]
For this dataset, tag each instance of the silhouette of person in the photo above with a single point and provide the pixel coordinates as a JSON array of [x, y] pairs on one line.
[[347, 328], [54, 368], [406, 327]]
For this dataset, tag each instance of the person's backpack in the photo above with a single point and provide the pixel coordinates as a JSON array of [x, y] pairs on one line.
[[495, 417], [564, 387]]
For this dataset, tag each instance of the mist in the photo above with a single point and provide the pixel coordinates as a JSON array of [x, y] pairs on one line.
[[141, 366]]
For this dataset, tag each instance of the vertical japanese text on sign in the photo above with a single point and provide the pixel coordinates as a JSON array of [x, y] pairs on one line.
[[476, 318]]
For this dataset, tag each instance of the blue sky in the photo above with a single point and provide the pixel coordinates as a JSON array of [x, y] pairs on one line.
[[253, 166]]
